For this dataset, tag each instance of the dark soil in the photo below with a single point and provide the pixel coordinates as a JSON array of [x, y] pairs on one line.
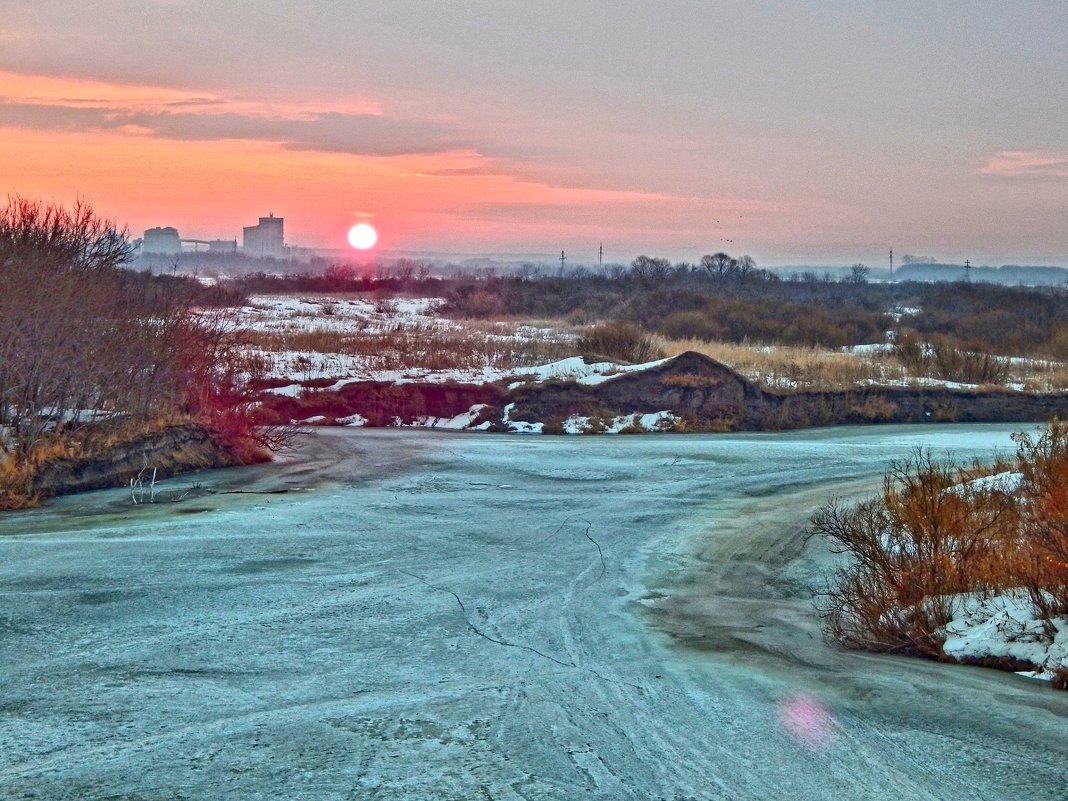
[[705, 394]]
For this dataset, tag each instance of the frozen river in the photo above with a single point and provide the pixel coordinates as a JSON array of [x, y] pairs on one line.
[[489, 617]]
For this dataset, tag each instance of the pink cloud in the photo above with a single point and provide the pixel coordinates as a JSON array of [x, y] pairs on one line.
[[1014, 163]]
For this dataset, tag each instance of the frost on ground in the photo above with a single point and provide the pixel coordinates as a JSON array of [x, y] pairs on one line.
[[434, 617], [1007, 626]]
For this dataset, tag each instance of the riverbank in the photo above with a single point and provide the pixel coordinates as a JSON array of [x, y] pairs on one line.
[[689, 392], [137, 460], [686, 393]]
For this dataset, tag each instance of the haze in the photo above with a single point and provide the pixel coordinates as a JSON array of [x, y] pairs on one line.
[[785, 132]]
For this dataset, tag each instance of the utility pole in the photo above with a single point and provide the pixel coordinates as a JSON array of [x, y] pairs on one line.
[[600, 256], [968, 270], [891, 263], [563, 258]]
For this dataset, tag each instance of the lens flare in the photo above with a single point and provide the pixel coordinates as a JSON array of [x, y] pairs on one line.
[[806, 720]]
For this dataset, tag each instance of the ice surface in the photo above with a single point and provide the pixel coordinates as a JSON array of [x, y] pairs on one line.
[[447, 617]]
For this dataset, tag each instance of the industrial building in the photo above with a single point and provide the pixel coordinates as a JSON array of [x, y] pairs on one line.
[[265, 239], [162, 240]]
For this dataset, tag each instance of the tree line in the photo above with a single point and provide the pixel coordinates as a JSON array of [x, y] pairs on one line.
[[723, 298]]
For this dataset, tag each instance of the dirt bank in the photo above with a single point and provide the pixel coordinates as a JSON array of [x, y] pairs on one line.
[[169, 451], [703, 394]]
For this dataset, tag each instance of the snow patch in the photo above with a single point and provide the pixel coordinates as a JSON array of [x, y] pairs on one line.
[[457, 423], [289, 391], [575, 368], [651, 421], [354, 420], [1006, 626], [1007, 482]]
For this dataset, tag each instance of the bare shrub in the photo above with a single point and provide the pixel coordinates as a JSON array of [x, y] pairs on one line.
[[619, 340], [922, 540], [952, 363], [934, 533], [913, 354], [87, 346], [949, 362], [1043, 461]]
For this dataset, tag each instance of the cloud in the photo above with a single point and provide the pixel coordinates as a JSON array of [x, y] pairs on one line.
[[330, 132], [357, 128], [1016, 163]]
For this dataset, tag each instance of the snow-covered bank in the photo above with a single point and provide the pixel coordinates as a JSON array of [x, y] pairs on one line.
[[688, 392], [1008, 627]]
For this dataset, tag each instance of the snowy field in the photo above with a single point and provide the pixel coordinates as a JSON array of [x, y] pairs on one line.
[[316, 337], [313, 337], [438, 616]]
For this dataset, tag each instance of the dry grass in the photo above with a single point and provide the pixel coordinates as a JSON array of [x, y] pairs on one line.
[[17, 474], [416, 347], [793, 367], [410, 343], [1040, 375], [341, 338]]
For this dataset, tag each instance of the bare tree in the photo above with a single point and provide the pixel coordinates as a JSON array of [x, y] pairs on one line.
[[650, 270], [718, 265], [58, 315], [858, 274], [746, 267]]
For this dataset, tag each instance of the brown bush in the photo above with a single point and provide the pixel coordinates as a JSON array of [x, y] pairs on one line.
[[619, 340], [1043, 461], [930, 535], [917, 543], [949, 362], [968, 366]]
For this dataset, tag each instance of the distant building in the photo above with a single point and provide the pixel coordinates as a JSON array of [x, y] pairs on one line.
[[295, 253], [162, 240], [265, 239], [222, 246]]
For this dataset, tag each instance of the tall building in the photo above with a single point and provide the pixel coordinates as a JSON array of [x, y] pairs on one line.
[[162, 240], [265, 239]]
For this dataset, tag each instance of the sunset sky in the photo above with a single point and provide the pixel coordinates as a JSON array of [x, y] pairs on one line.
[[798, 133]]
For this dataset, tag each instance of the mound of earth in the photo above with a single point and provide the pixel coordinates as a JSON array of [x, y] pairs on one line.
[[689, 392]]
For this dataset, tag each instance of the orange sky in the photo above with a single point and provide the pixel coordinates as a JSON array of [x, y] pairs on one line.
[[801, 137], [211, 188]]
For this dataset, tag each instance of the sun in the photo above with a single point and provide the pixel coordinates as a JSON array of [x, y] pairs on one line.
[[362, 236]]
